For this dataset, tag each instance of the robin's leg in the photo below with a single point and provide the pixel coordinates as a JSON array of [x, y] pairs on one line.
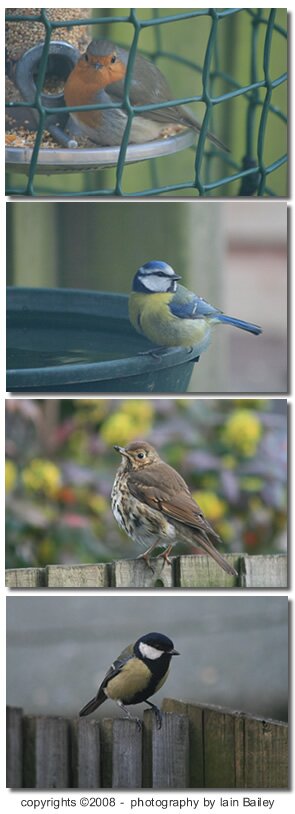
[[158, 714]]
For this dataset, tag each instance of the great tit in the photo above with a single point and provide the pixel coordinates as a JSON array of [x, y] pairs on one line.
[[169, 314], [139, 672]]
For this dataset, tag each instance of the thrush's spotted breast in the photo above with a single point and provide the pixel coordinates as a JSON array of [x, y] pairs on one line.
[[153, 504]]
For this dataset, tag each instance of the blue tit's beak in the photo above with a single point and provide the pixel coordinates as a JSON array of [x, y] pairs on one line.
[[176, 277]]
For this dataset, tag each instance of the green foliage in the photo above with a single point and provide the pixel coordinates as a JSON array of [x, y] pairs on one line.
[[61, 464]]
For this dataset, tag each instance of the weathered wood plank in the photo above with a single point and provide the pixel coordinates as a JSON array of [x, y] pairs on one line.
[[196, 742], [219, 749], [264, 571], [106, 752], [266, 754], [46, 752], [14, 748], [170, 750], [25, 578], [86, 754], [78, 576], [200, 571], [206, 747], [190, 571], [137, 574], [127, 761]]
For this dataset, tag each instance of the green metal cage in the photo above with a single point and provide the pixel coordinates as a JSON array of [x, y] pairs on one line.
[[234, 63]]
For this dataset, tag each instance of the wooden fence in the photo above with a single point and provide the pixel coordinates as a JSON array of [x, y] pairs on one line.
[[184, 572], [198, 746]]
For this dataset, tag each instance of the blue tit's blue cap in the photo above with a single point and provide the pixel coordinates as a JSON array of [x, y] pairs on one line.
[[153, 266]]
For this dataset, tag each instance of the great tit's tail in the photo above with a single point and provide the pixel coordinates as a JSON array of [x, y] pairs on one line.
[[239, 323], [92, 705]]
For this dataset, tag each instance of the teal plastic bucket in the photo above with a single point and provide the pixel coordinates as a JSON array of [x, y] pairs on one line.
[[66, 340]]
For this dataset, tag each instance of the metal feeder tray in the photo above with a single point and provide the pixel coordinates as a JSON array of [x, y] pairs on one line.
[[61, 60]]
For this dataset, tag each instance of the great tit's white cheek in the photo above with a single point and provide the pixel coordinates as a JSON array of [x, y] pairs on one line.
[[149, 652]]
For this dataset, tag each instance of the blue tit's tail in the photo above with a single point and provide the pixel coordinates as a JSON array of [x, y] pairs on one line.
[[239, 323]]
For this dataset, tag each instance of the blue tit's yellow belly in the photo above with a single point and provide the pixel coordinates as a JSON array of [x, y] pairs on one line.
[[150, 315]]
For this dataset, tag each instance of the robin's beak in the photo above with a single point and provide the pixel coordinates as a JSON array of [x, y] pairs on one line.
[[174, 652]]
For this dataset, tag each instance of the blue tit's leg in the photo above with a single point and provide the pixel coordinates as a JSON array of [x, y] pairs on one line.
[[127, 713], [156, 352], [158, 714]]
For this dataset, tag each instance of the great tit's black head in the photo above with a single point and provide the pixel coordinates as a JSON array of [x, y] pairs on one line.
[[155, 277], [138, 454], [153, 646]]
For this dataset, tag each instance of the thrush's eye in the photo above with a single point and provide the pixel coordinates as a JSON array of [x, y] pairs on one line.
[[114, 59], [141, 455]]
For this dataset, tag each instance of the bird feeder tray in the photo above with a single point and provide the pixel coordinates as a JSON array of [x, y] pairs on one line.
[[66, 340], [56, 160]]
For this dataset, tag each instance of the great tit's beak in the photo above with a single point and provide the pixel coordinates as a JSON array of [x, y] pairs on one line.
[[174, 652]]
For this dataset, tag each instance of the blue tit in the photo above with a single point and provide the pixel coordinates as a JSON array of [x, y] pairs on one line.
[[170, 315], [137, 673]]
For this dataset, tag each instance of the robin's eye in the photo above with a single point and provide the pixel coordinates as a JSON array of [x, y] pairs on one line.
[[114, 59], [86, 57], [141, 455]]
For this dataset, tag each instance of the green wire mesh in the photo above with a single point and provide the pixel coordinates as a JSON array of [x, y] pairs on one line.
[[259, 85]]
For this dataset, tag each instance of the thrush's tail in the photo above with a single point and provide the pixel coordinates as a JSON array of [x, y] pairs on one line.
[[92, 705], [209, 548]]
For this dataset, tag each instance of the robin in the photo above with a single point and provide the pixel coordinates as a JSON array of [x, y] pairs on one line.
[[154, 505], [98, 78]]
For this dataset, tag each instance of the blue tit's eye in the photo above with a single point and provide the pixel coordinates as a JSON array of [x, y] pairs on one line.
[[141, 455]]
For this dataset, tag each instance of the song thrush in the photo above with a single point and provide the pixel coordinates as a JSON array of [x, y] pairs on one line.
[[153, 504]]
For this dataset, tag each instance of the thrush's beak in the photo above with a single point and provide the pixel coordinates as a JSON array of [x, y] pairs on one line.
[[174, 652], [122, 451]]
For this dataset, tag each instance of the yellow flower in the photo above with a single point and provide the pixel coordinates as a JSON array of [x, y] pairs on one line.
[[242, 431], [132, 420], [251, 483], [229, 462], [42, 476], [213, 506], [98, 504], [140, 409], [10, 476], [119, 428], [225, 531]]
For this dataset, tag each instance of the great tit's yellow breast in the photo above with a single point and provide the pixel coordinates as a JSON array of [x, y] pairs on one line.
[[150, 315], [133, 678]]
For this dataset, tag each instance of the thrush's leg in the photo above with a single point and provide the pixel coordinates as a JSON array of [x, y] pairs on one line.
[[146, 555], [165, 554], [158, 714], [127, 713]]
